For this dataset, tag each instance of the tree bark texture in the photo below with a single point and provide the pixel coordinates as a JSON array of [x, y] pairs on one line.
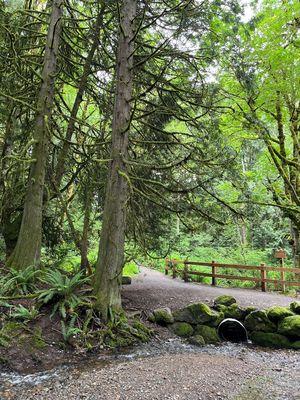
[[296, 245], [28, 247], [84, 246], [110, 261]]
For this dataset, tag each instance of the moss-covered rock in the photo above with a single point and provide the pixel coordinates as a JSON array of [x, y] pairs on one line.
[[290, 326], [296, 345], [163, 316], [182, 329], [259, 321], [273, 340], [295, 307], [209, 334], [198, 313], [197, 340], [233, 311], [249, 310], [224, 300], [277, 313]]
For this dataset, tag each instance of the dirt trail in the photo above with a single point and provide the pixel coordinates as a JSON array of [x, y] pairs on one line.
[[151, 289]]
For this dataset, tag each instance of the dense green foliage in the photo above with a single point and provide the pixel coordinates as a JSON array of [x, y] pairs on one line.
[[182, 141]]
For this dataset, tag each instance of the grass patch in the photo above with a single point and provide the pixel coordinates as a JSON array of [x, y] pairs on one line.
[[130, 269]]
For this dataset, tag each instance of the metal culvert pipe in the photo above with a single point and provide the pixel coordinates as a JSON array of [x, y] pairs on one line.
[[232, 330]]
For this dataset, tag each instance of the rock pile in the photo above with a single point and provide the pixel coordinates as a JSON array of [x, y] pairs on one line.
[[275, 327]]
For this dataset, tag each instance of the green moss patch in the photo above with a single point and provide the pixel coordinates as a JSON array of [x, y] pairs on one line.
[[209, 334], [277, 313], [233, 311], [273, 340], [197, 340], [198, 313], [224, 300], [259, 321], [163, 316], [290, 326], [182, 329]]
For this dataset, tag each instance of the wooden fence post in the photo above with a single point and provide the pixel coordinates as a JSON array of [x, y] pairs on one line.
[[166, 266], [282, 274], [263, 277], [213, 271], [185, 272]]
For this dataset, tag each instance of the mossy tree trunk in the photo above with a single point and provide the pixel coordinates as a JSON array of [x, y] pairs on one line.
[[61, 160], [28, 247], [84, 244], [6, 224], [110, 261], [296, 245]]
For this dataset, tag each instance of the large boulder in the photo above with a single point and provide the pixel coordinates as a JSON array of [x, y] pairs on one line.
[[182, 329], [295, 307], [198, 313], [277, 313], [224, 300], [290, 326], [259, 321], [209, 334], [197, 340], [163, 316], [273, 340]]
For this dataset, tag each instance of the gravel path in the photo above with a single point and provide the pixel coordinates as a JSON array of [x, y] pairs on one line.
[[151, 289], [169, 369]]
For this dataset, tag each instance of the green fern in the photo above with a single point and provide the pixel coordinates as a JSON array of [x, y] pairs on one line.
[[19, 282], [62, 291], [24, 313], [69, 330]]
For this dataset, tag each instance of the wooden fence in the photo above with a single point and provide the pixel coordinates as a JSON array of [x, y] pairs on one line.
[[171, 265]]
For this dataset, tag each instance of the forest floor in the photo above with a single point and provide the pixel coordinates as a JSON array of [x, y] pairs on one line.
[[168, 368]]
